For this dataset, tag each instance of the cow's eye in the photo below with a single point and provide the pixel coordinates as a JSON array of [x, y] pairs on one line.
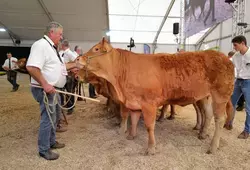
[[96, 49]]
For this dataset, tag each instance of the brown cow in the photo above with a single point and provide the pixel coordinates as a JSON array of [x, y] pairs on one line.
[[147, 81], [21, 63], [102, 87]]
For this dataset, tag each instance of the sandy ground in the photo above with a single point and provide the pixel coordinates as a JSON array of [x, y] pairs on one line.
[[92, 141]]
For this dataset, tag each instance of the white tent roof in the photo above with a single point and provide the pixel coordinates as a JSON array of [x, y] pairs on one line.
[[141, 20], [89, 20], [83, 20]]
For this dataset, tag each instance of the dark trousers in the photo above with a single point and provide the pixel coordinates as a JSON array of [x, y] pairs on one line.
[[11, 77], [91, 90], [47, 135], [80, 89], [70, 87]]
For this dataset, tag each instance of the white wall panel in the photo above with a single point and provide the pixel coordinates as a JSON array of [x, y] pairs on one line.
[[167, 48]]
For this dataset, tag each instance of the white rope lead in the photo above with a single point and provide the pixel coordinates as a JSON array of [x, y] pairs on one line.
[[53, 105], [47, 105], [55, 102]]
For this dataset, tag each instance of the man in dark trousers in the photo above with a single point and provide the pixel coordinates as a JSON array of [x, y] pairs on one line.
[[78, 52], [240, 104], [10, 66], [241, 61], [71, 83]]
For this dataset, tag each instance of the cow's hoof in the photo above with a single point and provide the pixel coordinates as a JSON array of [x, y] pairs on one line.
[[228, 126], [203, 136], [130, 137], [171, 118], [160, 120], [208, 152], [197, 128], [122, 132], [150, 151]]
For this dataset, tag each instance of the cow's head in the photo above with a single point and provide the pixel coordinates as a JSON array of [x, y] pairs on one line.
[[81, 75], [85, 76], [97, 54], [21, 63]]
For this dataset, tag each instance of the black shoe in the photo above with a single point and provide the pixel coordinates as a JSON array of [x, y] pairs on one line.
[[243, 135], [57, 145], [240, 108], [49, 155], [79, 99], [15, 88]]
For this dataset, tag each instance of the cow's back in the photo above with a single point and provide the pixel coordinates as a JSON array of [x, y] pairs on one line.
[[181, 78], [193, 75]]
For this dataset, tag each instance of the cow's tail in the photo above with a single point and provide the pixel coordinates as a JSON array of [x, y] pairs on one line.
[[229, 112]]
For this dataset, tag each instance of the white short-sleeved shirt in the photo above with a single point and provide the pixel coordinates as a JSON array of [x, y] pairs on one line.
[[76, 53], [12, 64], [69, 56], [235, 71], [44, 56], [61, 53], [242, 64]]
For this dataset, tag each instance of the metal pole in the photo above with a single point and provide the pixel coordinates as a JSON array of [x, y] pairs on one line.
[[181, 28], [162, 24]]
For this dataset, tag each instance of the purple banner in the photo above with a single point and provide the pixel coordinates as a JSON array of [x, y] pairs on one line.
[[202, 14], [146, 49]]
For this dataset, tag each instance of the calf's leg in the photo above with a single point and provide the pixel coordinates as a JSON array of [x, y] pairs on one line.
[[198, 117], [149, 115], [124, 115], [135, 116], [206, 104], [219, 118], [163, 110], [172, 112]]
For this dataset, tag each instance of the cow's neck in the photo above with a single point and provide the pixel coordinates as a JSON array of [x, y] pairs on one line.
[[111, 71]]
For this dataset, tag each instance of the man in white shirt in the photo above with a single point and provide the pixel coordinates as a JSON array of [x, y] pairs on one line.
[[78, 52], [241, 61], [240, 104], [71, 83], [10, 66], [48, 71], [67, 54]]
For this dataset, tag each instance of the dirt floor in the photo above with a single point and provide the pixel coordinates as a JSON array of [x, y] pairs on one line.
[[92, 141]]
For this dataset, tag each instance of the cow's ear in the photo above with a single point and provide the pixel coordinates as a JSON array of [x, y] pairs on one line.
[[103, 41], [105, 45]]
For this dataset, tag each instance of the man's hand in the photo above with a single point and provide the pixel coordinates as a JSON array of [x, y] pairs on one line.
[[48, 88], [6, 68], [37, 75]]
